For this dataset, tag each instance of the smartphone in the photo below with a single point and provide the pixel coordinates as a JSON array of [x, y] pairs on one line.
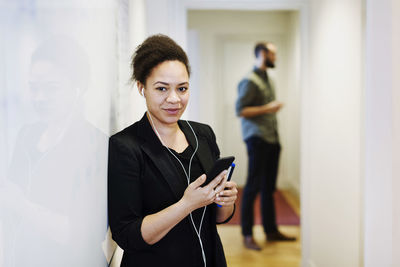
[[230, 171], [220, 165]]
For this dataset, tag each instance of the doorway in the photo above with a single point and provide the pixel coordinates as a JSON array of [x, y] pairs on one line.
[[220, 47]]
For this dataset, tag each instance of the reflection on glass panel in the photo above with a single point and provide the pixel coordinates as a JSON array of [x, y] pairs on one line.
[[54, 144]]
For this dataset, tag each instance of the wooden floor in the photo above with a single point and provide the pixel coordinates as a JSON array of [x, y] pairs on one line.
[[276, 254], [273, 254]]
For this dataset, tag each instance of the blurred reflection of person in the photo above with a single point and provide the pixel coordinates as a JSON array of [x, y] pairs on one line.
[[54, 197], [257, 107]]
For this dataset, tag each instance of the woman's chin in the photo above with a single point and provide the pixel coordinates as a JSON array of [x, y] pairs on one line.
[[171, 119], [172, 115], [168, 119]]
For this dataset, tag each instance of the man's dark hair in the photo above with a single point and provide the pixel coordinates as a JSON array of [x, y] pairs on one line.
[[153, 51], [259, 47]]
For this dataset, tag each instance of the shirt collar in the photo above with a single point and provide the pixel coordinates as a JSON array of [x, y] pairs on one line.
[[262, 73]]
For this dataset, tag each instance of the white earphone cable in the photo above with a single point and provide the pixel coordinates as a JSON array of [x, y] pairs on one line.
[[187, 174]]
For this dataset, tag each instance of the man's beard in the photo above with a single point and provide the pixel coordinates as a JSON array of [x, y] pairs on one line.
[[269, 64]]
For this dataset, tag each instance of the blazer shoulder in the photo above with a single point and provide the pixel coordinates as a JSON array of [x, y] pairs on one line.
[[202, 129], [127, 137]]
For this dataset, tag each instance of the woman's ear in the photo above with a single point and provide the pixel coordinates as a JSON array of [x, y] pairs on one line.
[[140, 87]]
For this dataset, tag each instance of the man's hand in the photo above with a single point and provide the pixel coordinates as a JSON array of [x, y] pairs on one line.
[[273, 107], [252, 111]]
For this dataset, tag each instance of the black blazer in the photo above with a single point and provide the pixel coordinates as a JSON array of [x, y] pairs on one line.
[[142, 180]]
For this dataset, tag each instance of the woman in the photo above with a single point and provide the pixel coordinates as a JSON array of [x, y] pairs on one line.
[[160, 212]]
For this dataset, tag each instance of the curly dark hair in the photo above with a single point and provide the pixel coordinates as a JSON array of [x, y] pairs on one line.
[[153, 51]]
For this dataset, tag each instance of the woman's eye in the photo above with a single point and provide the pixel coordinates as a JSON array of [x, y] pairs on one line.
[[182, 89], [162, 88]]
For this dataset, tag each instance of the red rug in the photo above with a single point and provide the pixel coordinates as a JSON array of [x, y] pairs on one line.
[[285, 215]]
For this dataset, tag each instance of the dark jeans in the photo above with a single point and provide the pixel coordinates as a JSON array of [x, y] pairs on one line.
[[262, 175]]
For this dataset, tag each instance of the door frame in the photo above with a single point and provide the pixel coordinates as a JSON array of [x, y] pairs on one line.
[[179, 25]]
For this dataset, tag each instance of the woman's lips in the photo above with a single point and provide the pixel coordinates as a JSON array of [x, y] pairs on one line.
[[172, 111]]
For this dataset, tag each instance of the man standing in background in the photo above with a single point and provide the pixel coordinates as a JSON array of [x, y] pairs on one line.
[[257, 107]]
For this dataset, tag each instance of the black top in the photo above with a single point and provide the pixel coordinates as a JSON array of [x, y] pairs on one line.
[[206, 235]]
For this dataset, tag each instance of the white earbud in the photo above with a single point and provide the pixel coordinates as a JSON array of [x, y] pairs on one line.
[[143, 93]]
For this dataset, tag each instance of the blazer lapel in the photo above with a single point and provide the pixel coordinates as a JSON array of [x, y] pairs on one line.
[[203, 153], [159, 155]]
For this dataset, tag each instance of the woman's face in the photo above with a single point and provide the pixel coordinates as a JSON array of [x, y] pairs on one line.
[[167, 91]]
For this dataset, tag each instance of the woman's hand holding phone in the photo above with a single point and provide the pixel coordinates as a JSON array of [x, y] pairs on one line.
[[196, 195], [227, 192], [213, 187]]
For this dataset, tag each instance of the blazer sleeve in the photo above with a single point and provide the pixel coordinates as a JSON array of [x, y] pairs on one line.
[[124, 196]]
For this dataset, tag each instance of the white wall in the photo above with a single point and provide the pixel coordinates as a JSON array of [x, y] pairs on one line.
[[332, 135], [225, 46], [58, 69], [167, 17], [378, 160], [382, 172], [396, 130], [128, 105], [291, 115]]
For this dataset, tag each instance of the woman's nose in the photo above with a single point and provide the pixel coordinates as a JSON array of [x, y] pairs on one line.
[[173, 97]]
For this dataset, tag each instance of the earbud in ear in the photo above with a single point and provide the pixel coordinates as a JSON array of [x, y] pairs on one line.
[[143, 93]]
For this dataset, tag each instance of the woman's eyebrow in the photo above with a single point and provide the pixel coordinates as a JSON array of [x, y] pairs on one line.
[[165, 83]]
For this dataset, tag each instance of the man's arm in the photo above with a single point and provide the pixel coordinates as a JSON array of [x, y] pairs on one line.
[[247, 95], [252, 111]]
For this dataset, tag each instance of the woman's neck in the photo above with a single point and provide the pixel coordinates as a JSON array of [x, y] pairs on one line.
[[164, 129], [170, 134]]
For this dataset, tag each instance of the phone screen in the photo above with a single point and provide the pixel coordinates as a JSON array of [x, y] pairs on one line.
[[220, 165]]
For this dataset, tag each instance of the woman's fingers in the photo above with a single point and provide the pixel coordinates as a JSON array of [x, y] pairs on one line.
[[221, 185], [227, 196], [229, 189], [225, 201], [217, 180], [204, 195], [231, 185], [199, 181]]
